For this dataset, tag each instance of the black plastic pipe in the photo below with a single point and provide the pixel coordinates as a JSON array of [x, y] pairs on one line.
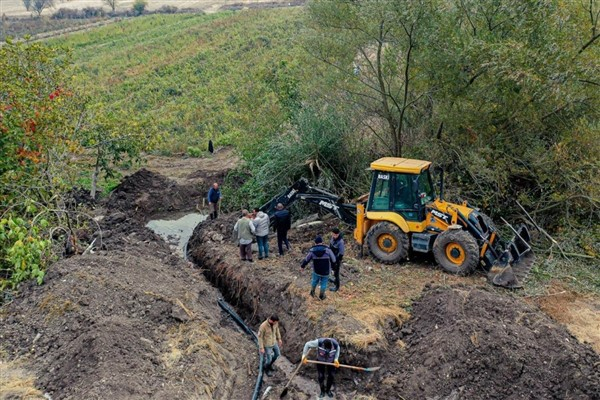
[[250, 332]]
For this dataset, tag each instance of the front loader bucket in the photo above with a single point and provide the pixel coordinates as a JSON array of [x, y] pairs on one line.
[[513, 266], [511, 276]]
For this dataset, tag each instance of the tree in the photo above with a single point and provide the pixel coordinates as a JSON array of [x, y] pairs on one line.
[[139, 6], [111, 136], [111, 3], [504, 90], [40, 5], [372, 47], [38, 125], [27, 4]]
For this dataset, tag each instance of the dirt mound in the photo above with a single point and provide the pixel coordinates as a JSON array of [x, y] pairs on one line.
[[133, 322], [462, 342], [145, 194], [121, 326], [466, 343]]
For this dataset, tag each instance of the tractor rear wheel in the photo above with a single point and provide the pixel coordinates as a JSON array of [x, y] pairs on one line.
[[387, 243], [456, 251]]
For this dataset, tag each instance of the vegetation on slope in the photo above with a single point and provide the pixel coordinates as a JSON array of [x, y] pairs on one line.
[[197, 76], [504, 94]]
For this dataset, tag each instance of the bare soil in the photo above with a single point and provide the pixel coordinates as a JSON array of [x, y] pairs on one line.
[[459, 339], [579, 313], [130, 321], [134, 320], [473, 343]]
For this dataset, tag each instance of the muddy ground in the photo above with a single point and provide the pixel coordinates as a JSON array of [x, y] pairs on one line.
[[134, 320], [458, 340]]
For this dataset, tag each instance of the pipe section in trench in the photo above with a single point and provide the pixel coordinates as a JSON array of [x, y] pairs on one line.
[[250, 332]]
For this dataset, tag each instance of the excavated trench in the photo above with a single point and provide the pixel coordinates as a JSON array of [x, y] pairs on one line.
[[462, 342], [268, 287]]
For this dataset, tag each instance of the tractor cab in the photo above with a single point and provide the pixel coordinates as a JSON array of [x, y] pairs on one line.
[[402, 186]]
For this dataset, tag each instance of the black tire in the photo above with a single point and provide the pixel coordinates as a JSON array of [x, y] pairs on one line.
[[456, 251], [387, 243]]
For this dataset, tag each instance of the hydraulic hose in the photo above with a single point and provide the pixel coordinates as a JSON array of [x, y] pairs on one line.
[[250, 332]]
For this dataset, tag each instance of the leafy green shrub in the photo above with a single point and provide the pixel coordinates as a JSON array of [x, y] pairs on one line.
[[139, 6], [24, 253], [194, 151], [320, 147], [91, 12]]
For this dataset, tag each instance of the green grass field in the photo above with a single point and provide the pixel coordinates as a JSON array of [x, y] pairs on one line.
[[222, 76]]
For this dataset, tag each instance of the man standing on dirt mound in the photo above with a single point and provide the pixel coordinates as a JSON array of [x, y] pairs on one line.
[[322, 258], [328, 350], [214, 197], [269, 342], [282, 223]]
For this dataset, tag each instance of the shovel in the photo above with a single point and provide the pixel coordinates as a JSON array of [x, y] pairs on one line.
[[285, 389], [364, 369]]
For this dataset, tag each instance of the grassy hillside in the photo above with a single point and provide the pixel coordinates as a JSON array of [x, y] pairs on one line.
[[222, 76]]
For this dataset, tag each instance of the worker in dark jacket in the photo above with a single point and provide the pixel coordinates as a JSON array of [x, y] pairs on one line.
[[336, 244], [322, 258], [282, 222], [328, 350], [214, 197]]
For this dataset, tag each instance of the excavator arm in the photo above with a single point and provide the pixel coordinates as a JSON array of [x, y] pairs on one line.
[[302, 190]]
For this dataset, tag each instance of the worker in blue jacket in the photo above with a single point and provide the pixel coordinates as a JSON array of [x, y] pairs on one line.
[[322, 258], [214, 197]]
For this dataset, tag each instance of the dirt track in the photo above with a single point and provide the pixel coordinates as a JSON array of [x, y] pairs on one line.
[[16, 7], [134, 320]]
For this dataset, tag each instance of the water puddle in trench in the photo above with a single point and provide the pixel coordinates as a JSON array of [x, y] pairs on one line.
[[177, 230]]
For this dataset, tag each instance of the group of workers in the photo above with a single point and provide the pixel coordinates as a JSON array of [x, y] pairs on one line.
[[256, 224], [325, 259], [328, 352]]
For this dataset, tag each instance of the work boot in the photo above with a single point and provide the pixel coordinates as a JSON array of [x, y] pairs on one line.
[[334, 288], [312, 292], [322, 295], [330, 394]]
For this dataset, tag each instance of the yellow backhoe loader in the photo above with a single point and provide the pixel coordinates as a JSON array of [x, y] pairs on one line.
[[402, 213]]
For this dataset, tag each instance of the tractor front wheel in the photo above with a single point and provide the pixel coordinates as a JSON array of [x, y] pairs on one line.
[[387, 243], [456, 251]]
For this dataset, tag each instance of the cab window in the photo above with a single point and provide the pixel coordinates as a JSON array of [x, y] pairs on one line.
[[380, 198], [403, 194], [425, 188]]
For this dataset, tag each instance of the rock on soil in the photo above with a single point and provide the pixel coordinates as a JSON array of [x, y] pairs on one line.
[[467, 343]]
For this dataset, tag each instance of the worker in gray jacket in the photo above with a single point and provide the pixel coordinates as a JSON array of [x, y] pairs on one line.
[[244, 231], [328, 350], [261, 224]]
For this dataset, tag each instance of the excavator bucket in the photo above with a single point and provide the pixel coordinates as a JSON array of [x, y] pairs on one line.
[[511, 269]]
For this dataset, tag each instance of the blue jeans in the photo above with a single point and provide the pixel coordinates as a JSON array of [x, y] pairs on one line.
[[324, 279], [263, 245], [271, 354]]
